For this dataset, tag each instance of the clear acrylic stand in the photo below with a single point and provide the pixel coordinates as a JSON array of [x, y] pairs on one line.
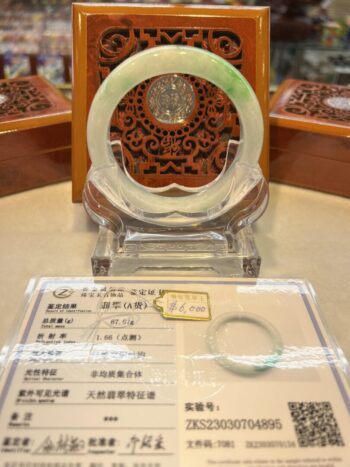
[[221, 246], [228, 255]]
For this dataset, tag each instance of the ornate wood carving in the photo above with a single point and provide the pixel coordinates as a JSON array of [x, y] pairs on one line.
[[30, 99], [117, 44], [191, 152], [19, 97], [310, 143], [320, 101], [35, 134]]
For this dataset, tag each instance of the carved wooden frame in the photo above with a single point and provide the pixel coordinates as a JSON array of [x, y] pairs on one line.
[[302, 105], [32, 102], [149, 26]]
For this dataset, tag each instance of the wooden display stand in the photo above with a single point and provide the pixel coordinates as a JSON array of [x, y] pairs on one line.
[[35, 134], [106, 35], [310, 136]]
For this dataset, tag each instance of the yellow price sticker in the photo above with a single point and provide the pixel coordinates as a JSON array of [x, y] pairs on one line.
[[177, 304]]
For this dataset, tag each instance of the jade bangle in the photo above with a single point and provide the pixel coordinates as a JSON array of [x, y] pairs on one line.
[[244, 365], [166, 60]]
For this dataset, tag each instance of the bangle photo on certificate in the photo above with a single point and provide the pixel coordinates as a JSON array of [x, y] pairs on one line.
[[247, 365]]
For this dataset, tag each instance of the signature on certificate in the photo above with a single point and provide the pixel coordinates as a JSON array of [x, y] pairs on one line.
[[64, 444]]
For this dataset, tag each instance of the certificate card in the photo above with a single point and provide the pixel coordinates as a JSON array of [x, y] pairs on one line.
[[177, 372]]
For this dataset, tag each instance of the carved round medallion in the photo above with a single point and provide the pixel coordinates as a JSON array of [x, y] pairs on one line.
[[171, 99], [340, 103], [3, 99]]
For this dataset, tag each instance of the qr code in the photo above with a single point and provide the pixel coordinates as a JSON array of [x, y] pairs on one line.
[[315, 424]]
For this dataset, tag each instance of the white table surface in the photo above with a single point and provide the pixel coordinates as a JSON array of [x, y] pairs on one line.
[[303, 234]]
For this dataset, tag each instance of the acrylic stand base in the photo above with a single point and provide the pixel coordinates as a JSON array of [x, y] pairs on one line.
[[201, 254]]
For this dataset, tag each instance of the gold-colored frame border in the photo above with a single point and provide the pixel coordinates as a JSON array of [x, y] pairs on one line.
[[81, 12]]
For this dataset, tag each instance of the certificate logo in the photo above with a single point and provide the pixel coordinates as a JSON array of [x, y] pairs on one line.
[[63, 292]]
